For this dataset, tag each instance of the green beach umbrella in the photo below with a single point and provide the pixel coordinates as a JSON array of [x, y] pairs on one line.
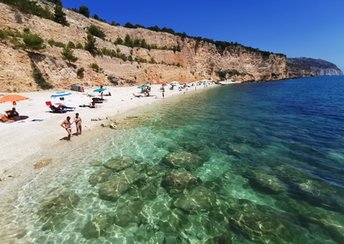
[[143, 86], [99, 90]]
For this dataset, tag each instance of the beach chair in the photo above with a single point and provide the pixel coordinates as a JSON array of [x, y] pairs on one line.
[[57, 109], [97, 100], [137, 95]]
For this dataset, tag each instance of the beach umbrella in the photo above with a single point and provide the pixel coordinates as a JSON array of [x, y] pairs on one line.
[[100, 90], [61, 94], [143, 86], [12, 98]]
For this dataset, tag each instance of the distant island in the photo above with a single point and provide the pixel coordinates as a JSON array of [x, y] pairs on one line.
[[44, 46]]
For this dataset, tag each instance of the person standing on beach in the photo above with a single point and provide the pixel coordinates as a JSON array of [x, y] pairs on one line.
[[78, 124], [67, 126], [162, 91]]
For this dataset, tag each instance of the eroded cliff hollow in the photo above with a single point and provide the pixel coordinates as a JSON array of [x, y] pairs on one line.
[[122, 56]]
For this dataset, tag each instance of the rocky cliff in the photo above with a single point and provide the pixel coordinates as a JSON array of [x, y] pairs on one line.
[[311, 67], [151, 56]]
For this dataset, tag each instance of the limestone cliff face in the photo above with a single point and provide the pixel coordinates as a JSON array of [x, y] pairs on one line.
[[194, 61], [311, 67]]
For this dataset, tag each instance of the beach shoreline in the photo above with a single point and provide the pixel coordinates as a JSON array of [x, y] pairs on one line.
[[30, 142]]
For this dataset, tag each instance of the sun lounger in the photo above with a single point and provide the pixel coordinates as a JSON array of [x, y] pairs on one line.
[[97, 100], [57, 109], [20, 117], [137, 95], [5, 119]]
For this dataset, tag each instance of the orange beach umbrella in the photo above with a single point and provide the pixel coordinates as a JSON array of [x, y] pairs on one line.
[[12, 98]]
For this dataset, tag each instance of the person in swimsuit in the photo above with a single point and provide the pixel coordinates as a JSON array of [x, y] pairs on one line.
[[67, 126], [77, 121]]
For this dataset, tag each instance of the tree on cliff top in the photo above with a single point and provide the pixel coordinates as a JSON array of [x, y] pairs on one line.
[[84, 11]]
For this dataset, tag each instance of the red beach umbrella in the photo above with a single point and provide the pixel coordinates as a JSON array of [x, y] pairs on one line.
[[12, 98]]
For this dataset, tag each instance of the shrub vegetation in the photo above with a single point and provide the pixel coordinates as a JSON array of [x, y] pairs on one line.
[[68, 54], [33, 41], [80, 72], [95, 67], [96, 31]]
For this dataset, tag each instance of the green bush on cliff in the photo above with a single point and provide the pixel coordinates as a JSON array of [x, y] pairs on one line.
[[33, 41], [2, 34], [67, 54], [96, 31], [141, 43], [95, 67], [113, 80], [79, 46], [52, 43], [91, 45], [80, 72], [119, 41], [29, 7], [224, 74], [71, 45]]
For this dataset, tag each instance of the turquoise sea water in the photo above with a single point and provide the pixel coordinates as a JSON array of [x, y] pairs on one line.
[[250, 163]]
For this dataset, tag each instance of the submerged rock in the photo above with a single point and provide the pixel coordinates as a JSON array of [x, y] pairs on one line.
[[182, 159], [99, 176], [173, 222], [319, 194], [262, 224], [317, 219], [198, 198], [265, 182], [53, 211], [119, 163], [128, 213], [120, 183], [97, 226], [303, 186], [175, 181]]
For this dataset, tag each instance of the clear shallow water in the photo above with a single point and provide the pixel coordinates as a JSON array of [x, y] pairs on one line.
[[269, 160]]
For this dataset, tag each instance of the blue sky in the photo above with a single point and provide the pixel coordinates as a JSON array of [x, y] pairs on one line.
[[310, 28]]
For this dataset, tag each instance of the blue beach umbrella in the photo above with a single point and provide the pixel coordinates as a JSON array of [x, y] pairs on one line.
[[61, 94], [99, 90]]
